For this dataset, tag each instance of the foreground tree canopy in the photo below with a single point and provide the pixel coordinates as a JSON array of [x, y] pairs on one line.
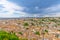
[[7, 36]]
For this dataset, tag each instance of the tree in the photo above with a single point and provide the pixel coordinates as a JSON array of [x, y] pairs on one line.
[[7, 36]]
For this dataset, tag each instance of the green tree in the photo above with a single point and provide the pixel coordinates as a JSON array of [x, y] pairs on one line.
[[7, 36]]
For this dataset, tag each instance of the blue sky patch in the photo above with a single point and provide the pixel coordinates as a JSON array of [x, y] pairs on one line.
[[30, 8]]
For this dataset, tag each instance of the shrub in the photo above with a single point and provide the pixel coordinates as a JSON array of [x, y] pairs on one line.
[[26, 24], [46, 30], [21, 33], [37, 33]]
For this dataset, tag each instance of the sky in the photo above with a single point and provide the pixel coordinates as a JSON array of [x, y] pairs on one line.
[[29, 8]]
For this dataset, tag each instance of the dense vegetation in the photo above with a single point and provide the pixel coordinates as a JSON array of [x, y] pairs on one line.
[[7, 36]]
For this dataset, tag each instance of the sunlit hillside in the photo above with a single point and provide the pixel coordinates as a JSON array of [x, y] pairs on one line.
[[30, 29]]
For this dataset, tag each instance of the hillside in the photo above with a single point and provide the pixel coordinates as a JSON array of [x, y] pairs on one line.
[[33, 28]]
